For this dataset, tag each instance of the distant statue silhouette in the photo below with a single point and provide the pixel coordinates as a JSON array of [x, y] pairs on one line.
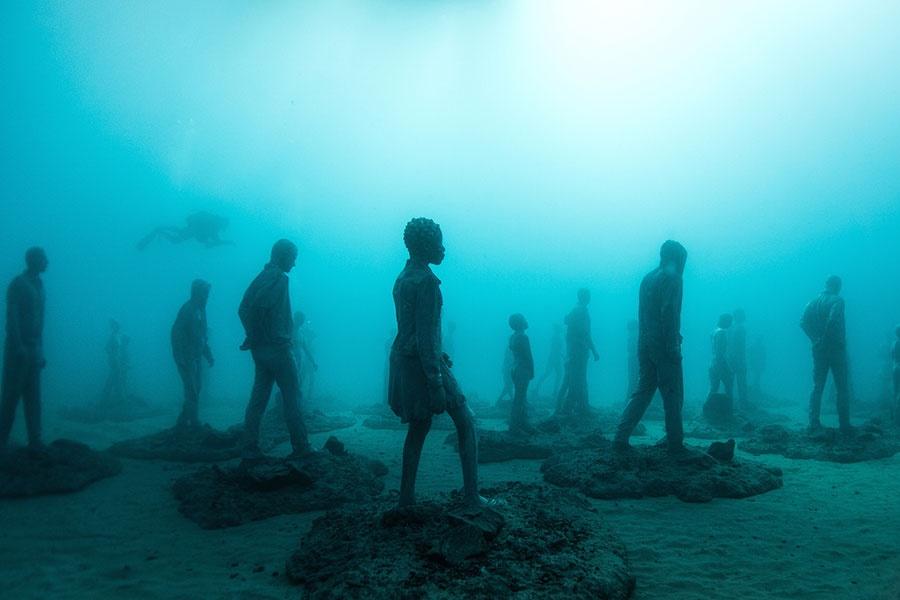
[[720, 373], [521, 373], [189, 346], [202, 226], [737, 355], [23, 352], [573, 394]]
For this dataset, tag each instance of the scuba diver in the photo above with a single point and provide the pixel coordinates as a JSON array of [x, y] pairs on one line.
[[202, 226]]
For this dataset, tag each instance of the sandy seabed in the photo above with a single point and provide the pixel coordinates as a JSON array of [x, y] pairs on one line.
[[832, 531]]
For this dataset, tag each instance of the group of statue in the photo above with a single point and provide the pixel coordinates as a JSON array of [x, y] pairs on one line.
[[420, 382]]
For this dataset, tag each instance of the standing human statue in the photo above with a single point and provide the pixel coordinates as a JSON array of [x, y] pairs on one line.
[[573, 396], [115, 392], [720, 373], [522, 373], [265, 313], [659, 349], [631, 350], [895, 354], [554, 366], [190, 344], [824, 325], [307, 367], [421, 383], [23, 352], [737, 356]]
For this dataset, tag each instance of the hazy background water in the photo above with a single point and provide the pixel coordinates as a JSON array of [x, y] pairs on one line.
[[558, 144]]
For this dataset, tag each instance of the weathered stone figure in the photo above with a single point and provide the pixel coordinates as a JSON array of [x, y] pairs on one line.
[[508, 391], [823, 322], [522, 373], [23, 352], [189, 346], [573, 396], [720, 373], [265, 312], [737, 355], [115, 392], [421, 384], [659, 348], [306, 361]]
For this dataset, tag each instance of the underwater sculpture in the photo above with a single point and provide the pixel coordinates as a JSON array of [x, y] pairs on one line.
[[737, 355], [522, 373], [554, 366], [265, 313], [115, 392], [202, 226], [659, 348], [573, 395], [719, 408], [23, 351], [720, 373], [189, 346], [823, 323], [421, 384], [869, 441]]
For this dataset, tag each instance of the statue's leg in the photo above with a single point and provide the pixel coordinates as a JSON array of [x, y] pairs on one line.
[[468, 451], [412, 452], [640, 400]]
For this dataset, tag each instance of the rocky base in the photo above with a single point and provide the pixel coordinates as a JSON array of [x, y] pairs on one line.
[[216, 497], [61, 467], [868, 442], [441, 422], [134, 410], [694, 476], [541, 543], [203, 444]]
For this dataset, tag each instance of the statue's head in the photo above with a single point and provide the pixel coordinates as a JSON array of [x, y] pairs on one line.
[[200, 291], [284, 255], [517, 322], [833, 284], [584, 296], [114, 326], [725, 320], [36, 260], [424, 240], [739, 316], [672, 254]]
